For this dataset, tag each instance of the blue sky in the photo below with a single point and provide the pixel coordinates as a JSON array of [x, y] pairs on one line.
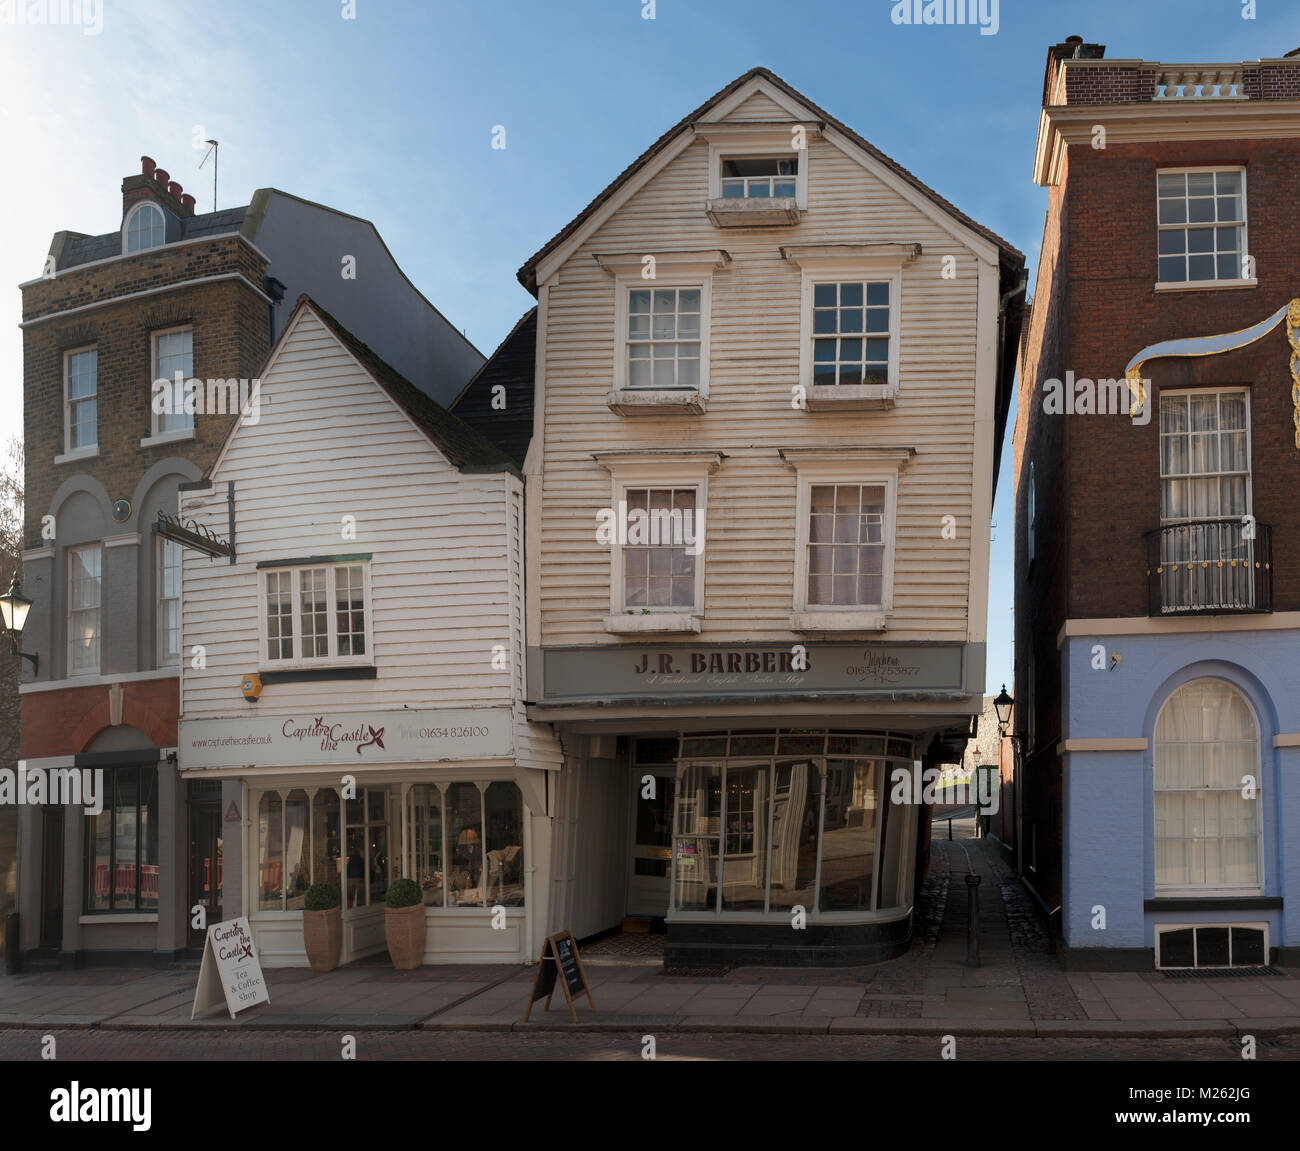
[[390, 116]]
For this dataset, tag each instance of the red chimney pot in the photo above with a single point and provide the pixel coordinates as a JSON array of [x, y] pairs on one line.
[[175, 189], [161, 176], [188, 201], [147, 165]]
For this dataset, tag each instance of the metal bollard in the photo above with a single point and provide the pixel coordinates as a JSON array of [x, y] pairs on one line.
[[973, 920], [950, 827]]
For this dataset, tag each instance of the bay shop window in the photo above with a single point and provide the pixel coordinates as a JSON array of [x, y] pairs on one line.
[[764, 823], [461, 841]]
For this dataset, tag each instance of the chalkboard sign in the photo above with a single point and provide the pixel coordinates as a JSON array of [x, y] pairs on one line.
[[560, 962]]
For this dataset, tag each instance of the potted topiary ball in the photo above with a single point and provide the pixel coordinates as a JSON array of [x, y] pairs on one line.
[[404, 924], [322, 926]]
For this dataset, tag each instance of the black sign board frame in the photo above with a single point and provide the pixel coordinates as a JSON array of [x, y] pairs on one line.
[[560, 963]]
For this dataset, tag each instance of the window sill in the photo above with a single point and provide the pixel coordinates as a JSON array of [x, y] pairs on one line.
[[1217, 901], [1204, 285], [77, 454], [662, 621], [167, 437], [819, 621], [312, 674], [850, 397], [775, 212], [656, 402], [118, 917]]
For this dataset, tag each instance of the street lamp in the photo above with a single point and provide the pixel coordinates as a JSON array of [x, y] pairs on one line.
[[14, 607], [1002, 705]]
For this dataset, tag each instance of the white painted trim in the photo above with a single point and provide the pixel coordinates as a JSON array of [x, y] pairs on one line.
[[37, 554], [79, 454], [982, 493], [167, 437], [136, 209], [1161, 625], [107, 303], [49, 762], [132, 255], [624, 284], [1205, 285], [854, 470], [739, 141], [839, 269], [80, 681], [1162, 928], [1287, 739], [298, 662], [656, 621], [126, 539]]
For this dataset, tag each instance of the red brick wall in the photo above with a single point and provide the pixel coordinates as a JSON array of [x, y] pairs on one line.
[[1113, 466], [65, 722]]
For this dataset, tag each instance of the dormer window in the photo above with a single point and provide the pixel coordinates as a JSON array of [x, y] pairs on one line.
[[145, 228], [760, 179]]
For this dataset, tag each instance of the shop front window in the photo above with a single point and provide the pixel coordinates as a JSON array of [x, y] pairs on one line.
[[467, 843], [300, 842], [793, 830]]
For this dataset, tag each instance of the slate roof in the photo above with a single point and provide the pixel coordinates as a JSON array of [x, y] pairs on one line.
[[512, 367], [465, 448], [527, 274], [86, 249]]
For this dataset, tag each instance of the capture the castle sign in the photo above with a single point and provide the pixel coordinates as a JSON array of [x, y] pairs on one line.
[[346, 739], [711, 670]]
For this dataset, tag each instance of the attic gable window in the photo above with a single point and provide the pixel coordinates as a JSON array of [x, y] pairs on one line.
[[760, 179], [145, 228]]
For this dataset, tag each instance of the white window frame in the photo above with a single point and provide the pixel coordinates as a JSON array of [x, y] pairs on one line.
[[156, 433], [1195, 285], [740, 141], [630, 470], [876, 468], [1163, 928], [1215, 890], [143, 206], [1176, 393], [679, 270], [840, 263], [332, 658], [161, 654], [87, 451], [99, 627]]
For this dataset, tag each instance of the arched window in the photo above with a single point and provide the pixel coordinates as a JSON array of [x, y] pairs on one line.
[[145, 228], [1206, 759]]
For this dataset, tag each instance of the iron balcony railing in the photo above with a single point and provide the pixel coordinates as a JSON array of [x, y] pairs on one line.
[[1212, 565]]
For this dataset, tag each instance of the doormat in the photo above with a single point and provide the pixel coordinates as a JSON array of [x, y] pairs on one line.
[[1222, 972]]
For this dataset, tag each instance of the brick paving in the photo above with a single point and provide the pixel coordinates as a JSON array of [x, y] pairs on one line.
[[1019, 989]]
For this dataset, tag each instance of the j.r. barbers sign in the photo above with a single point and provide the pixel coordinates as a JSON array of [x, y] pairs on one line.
[[751, 669], [346, 738]]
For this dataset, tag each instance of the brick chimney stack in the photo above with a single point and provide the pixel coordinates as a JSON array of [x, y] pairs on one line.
[[155, 183]]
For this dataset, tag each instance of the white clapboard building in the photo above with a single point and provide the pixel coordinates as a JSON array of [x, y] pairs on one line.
[[353, 676], [772, 339]]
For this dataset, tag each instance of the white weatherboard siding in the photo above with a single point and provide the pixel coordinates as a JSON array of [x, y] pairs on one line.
[[443, 591], [755, 327]]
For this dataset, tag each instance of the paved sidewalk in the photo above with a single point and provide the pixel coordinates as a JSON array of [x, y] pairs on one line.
[[1020, 989]]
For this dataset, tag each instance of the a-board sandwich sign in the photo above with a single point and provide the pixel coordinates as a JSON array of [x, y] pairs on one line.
[[230, 972]]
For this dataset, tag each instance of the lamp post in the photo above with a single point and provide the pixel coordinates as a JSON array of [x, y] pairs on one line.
[[14, 607], [1003, 705]]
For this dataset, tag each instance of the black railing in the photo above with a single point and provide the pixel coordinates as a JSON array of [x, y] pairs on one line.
[[1219, 565]]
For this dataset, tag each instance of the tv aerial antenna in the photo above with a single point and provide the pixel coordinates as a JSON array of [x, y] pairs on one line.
[[212, 151]]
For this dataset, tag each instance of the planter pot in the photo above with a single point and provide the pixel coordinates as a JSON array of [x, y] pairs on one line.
[[322, 936], [404, 927]]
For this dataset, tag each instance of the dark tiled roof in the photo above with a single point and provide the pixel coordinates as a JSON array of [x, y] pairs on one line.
[[527, 274], [511, 367], [461, 444], [87, 249]]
